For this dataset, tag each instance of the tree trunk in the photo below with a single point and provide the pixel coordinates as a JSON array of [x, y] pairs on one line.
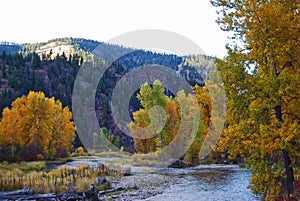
[[287, 160], [289, 173]]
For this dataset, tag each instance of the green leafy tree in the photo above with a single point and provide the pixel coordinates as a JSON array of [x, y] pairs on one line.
[[103, 138], [117, 141], [149, 97], [158, 122]]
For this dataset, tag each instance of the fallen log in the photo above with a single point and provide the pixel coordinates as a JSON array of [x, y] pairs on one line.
[[19, 196], [24, 191], [15, 195], [27, 194], [39, 197]]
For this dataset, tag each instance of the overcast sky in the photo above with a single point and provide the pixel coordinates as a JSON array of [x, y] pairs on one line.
[[38, 21]]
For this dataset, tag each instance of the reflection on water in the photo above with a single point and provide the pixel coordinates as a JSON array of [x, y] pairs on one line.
[[209, 184]]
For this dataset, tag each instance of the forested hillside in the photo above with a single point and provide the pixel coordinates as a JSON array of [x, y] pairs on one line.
[[51, 67]]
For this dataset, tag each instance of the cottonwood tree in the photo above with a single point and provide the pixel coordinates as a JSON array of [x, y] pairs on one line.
[[161, 118], [262, 79], [35, 120]]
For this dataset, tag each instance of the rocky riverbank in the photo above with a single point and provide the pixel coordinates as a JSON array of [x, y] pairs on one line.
[[139, 187], [134, 187]]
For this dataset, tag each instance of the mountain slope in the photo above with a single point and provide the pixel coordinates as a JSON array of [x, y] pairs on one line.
[[51, 67]]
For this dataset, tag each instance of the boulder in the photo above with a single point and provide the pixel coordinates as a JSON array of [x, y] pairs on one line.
[[179, 164]]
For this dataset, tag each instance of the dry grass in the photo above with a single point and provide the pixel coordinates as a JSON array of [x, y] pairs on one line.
[[60, 180]]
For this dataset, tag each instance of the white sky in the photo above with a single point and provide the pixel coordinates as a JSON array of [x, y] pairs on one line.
[[38, 21]]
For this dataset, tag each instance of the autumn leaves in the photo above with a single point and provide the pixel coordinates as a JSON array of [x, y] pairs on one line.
[[36, 127], [262, 78], [169, 124]]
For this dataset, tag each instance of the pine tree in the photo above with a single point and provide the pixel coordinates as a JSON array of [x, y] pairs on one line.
[[3, 69]]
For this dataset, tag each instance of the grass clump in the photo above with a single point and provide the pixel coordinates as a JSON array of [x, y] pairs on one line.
[[63, 179]]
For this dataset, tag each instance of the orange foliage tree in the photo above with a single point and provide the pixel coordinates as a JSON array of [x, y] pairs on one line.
[[166, 124], [36, 126]]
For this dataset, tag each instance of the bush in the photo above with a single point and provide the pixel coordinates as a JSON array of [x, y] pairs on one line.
[[80, 150]]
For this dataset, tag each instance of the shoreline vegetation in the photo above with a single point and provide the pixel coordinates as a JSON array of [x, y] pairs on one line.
[[52, 179], [246, 105], [35, 181], [112, 179]]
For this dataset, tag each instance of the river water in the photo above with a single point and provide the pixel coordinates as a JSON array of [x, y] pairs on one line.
[[201, 183], [208, 183]]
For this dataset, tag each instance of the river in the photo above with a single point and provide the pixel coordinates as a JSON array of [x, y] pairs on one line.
[[201, 183], [208, 183]]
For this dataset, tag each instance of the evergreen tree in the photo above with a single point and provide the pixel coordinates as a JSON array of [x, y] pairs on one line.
[[3, 69], [3, 56]]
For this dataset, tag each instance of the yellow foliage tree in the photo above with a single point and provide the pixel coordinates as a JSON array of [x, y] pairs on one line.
[[142, 142], [37, 121], [204, 103], [151, 139], [262, 80]]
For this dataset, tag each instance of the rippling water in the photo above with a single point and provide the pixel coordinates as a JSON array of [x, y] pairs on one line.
[[208, 183], [202, 183]]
